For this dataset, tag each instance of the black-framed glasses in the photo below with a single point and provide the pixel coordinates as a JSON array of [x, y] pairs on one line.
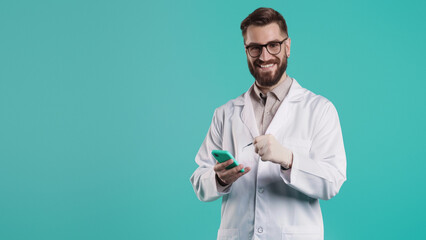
[[255, 50]]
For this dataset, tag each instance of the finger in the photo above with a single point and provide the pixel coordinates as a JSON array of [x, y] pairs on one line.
[[222, 166], [246, 170], [232, 173], [257, 139], [262, 142], [228, 162], [256, 149], [261, 151], [261, 137], [217, 167], [240, 174], [258, 146], [238, 168], [238, 171]]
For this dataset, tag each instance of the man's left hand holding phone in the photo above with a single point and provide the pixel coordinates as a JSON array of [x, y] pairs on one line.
[[227, 168]]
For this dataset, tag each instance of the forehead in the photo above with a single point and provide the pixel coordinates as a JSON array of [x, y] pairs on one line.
[[264, 34]]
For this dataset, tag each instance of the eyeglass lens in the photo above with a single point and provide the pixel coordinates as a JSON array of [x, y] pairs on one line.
[[273, 48]]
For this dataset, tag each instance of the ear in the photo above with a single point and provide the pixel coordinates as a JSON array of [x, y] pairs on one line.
[[287, 46]]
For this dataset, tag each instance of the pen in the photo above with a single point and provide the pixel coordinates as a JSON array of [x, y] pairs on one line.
[[248, 144]]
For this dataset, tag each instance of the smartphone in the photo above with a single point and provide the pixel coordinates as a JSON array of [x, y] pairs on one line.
[[223, 156]]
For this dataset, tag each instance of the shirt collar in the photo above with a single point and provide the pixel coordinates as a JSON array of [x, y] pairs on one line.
[[280, 91]]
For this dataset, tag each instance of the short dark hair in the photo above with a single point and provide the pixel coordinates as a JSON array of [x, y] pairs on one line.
[[263, 16]]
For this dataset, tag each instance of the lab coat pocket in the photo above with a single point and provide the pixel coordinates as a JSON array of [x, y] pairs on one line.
[[228, 234], [302, 233]]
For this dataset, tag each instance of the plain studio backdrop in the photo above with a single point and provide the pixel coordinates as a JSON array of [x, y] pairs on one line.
[[104, 104]]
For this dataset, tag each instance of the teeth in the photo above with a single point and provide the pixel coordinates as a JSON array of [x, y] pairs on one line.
[[266, 66]]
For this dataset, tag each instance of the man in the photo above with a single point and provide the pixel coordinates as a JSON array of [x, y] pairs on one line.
[[296, 157]]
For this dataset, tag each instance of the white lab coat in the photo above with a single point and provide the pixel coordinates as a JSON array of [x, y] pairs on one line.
[[269, 203]]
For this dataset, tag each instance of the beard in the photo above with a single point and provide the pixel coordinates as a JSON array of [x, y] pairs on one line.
[[267, 79]]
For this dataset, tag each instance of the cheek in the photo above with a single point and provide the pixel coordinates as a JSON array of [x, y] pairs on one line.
[[283, 56]]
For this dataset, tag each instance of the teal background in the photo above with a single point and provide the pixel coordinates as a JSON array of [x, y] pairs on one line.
[[104, 104]]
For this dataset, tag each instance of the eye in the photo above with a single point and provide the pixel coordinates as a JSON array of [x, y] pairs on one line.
[[254, 48], [273, 45]]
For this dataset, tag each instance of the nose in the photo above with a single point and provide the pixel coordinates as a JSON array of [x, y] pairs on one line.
[[265, 55]]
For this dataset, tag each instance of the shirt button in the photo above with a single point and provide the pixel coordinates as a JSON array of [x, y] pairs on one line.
[[260, 230], [260, 190]]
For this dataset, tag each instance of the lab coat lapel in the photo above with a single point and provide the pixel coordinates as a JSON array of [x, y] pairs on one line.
[[295, 94], [247, 114]]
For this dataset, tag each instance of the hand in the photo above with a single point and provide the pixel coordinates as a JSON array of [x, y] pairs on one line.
[[228, 176], [269, 149]]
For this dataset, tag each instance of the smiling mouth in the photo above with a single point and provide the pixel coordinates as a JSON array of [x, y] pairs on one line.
[[266, 66]]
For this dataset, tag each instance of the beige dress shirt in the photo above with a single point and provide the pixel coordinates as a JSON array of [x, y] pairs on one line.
[[265, 106]]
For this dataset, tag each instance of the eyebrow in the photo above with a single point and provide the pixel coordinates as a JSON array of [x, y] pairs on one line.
[[253, 44]]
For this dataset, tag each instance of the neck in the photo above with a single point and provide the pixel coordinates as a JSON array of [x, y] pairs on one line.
[[266, 89]]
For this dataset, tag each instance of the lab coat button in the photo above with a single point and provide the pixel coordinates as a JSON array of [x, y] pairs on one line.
[[260, 190], [260, 230]]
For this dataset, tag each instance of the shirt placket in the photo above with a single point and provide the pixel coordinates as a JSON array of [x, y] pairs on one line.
[[266, 120]]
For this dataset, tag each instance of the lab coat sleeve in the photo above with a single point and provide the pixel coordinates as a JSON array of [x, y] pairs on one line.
[[203, 179], [319, 170]]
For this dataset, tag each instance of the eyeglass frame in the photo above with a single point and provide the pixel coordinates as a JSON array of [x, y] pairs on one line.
[[265, 46]]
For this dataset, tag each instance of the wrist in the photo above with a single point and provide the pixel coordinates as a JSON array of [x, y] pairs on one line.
[[220, 181]]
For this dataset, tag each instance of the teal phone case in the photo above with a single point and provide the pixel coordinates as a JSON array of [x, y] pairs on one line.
[[223, 156]]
